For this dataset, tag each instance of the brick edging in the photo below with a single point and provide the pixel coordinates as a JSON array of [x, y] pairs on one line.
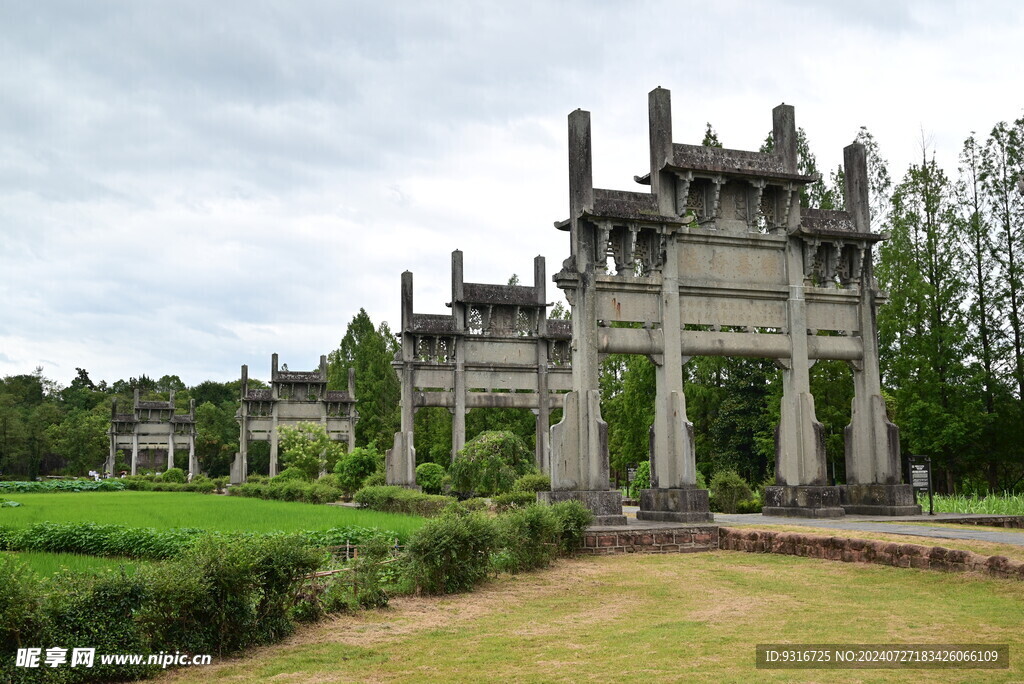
[[667, 540], [868, 551]]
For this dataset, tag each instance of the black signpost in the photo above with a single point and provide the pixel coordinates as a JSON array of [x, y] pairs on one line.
[[921, 478]]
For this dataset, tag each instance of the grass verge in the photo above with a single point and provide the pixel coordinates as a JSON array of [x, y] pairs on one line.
[[644, 618]]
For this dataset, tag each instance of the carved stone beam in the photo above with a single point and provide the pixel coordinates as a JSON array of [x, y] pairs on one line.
[[716, 195], [788, 194], [683, 178], [604, 230], [754, 207]]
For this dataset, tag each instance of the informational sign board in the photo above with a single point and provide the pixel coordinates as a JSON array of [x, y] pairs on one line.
[[921, 478], [631, 474]]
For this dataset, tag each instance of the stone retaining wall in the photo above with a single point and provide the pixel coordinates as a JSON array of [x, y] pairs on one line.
[[866, 551], [1009, 521], [668, 540]]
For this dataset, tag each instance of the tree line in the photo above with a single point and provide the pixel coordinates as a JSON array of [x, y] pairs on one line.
[[951, 338]]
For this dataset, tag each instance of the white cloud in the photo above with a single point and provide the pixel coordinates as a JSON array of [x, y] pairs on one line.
[[188, 187]]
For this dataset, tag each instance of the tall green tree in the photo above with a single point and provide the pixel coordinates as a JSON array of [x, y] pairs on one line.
[[370, 350], [922, 330]]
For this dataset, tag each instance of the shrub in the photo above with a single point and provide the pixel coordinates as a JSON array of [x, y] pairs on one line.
[[529, 538], [728, 489], [475, 504], [642, 479], [353, 468], [173, 475], [573, 520], [510, 500], [429, 476], [450, 553], [291, 473], [401, 500], [308, 447], [490, 463], [376, 480], [19, 601], [317, 492], [532, 482]]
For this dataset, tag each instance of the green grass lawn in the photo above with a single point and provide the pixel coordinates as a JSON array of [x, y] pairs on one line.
[[651, 618], [47, 564], [205, 511]]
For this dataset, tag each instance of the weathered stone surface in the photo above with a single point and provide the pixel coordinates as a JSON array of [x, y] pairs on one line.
[[675, 505], [802, 501], [674, 539], [294, 397], [867, 551], [152, 424], [878, 499], [605, 505]]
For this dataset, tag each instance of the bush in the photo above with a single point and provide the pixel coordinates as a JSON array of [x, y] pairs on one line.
[[376, 480], [529, 538], [318, 492], [573, 520], [728, 489], [642, 479], [401, 500], [173, 475], [291, 473], [505, 502], [490, 463], [353, 468], [451, 553], [430, 476], [20, 594], [475, 504], [308, 447], [532, 482]]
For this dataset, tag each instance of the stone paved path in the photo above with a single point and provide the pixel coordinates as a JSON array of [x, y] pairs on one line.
[[864, 523]]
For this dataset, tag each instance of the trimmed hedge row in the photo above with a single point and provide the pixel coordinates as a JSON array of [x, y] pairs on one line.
[[148, 543], [288, 490], [401, 500]]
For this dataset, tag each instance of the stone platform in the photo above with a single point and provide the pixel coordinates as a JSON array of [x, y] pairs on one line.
[[643, 536]]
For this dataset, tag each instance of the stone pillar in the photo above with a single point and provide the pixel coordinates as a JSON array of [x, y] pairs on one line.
[[108, 467], [170, 445], [274, 438], [353, 416], [673, 496], [459, 314], [579, 443], [800, 470], [400, 460], [135, 449], [193, 463], [240, 469], [543, 412], [873, 474], [275, 389]]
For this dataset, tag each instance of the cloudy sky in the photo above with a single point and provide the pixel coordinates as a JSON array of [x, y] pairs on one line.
[[189, 186]]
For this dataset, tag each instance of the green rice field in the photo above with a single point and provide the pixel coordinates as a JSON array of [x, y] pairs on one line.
[[47, 564], [203, 511]]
